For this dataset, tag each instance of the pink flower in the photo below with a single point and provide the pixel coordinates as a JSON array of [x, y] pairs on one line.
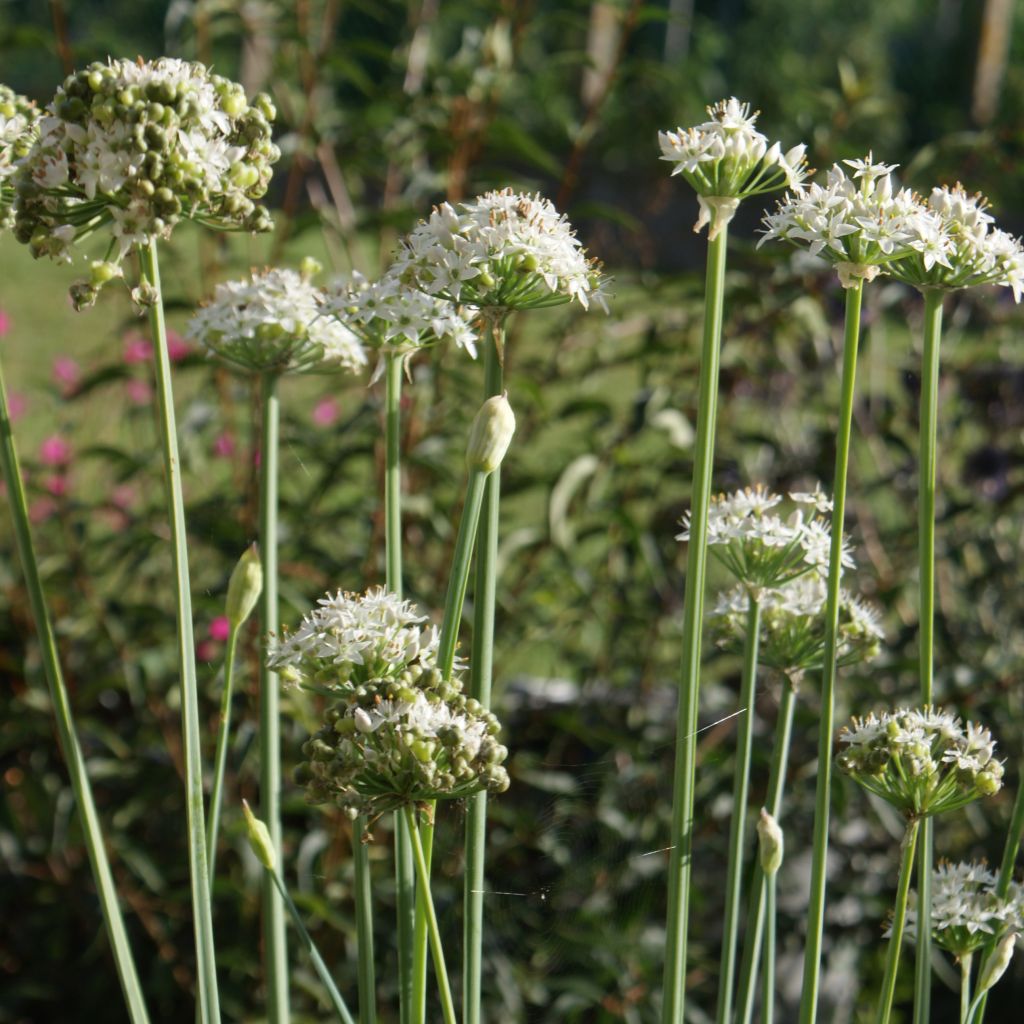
[[17, 405], [138, 391], [123, 496], [57, 485], [66, 372], [55, 451], [177, 346], [224, 446], [42, 509], [137, 349], [220, 628], [257, 458], [326, 412], [206, 651], [5, 322]]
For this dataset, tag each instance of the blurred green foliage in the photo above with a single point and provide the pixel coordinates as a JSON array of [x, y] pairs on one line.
[[386, 107]]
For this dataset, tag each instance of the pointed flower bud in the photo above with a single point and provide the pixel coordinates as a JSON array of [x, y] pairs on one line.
[[491, 434], [770, 843], [259, 838], [244, 587], [995, 966]]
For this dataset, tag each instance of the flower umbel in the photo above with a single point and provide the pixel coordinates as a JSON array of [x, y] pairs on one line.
[[19, 117], [137, 146], [272, 322], [501, 251], [726, 159], [923, 761]]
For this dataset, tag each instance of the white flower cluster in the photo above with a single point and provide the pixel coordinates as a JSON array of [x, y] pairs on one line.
[[133, 147], [502, 251], [393, 746], [392, 317], [760, 547], [271, 322], [923, 761], [861, 224], [18, 119], [966, 909], [958, 247], [350, 639], [726, 159], [792, 636]]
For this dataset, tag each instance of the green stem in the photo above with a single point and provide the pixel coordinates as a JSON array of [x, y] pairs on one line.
[[747, 985], [405, 877], [768, 998], [899, 919], [92, 831], [1006, 868], [202, 915], [816, 907], [364, 924], [737, 827], [481, 670], [221, 757], [927, 468], [275, 949], [681, 838], [337, 1003], [965, 988], [437, 950]]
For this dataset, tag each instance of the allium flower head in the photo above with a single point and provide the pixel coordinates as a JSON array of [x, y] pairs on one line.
[[860, 223], [500, 252], [272, 322], [923, 761], [793, 625], [390, 316], [759, 546], [134, 147], [392, 746], [18, 120], [350, 640], [966, 910], [726, 159], [956, 246]]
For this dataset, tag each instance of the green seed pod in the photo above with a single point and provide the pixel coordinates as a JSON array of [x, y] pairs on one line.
[[259, 838], [244, 587]]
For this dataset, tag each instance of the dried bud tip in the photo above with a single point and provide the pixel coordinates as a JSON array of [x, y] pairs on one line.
[[491, 434], [259, 838], [244, 587], [770, 843]]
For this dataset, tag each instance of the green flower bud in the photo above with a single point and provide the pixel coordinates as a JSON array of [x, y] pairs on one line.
[[995, 966], [309, 268], [770, 843], [102, 271], [244, 586], [491, 434], [259, 838]]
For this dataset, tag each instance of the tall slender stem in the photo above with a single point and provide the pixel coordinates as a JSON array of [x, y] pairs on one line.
[[209, 1002], [275, 950], [899, 919], [927, 470], [819, 861], [965, 987], [92, 831], [337, 1002], [768, 997], [221, 757], [747, 984], [481, 669], [436, 947], [1006, 868], [405, 876], [364, 925], [681, 838], [737, 827]]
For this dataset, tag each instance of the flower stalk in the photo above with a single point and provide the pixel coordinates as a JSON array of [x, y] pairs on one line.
[[220, 759], [899, 918], [816, 908], [208, 999], [681, 838], [738, 821], [92, 832]]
